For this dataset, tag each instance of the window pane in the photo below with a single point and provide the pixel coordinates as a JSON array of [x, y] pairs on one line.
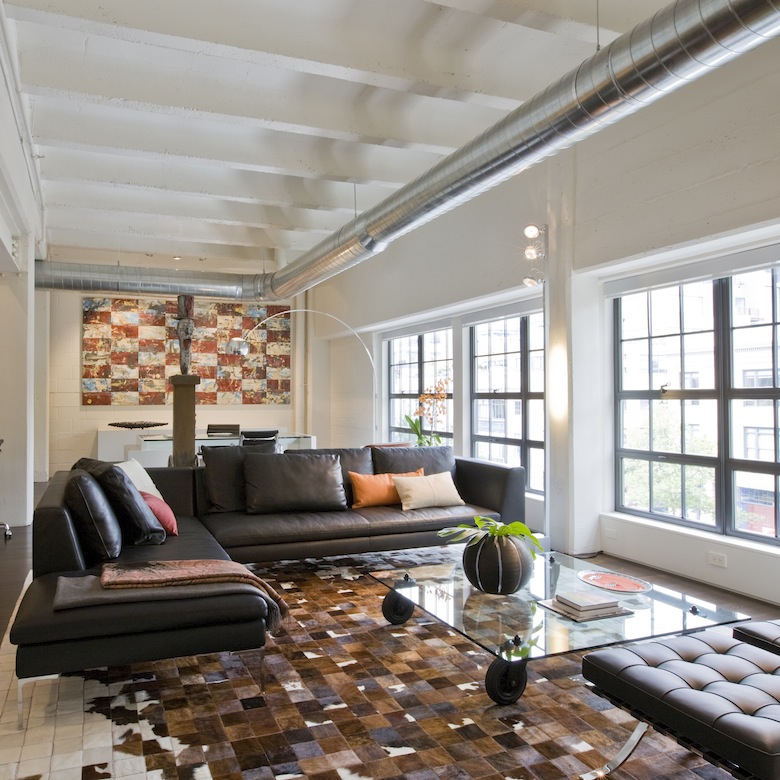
[[751, 298], [667, 488], [514, 419], [403, 350], [699, 358], [701, 427], [752, 431], [404, 379], [400, 407], [666, 426], [635, 375], [635, 428], [636, 484], [697, 307], [667, 363], [754, 500], [535, 476], [536, 331], [700, 494], [536, 419], [633, 312], [499, 453], [437, 345], [751, 355], [536, 372], [500, 403], [665, 311]]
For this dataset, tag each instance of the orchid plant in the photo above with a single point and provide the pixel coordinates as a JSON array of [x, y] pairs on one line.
[[432, 405]]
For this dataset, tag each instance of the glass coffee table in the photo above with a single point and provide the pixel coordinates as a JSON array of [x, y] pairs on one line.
[[517, 628]]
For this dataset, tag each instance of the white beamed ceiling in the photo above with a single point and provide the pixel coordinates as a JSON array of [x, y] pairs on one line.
[[237, 134]]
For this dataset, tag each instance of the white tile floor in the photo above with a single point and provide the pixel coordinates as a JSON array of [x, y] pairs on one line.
[[58, 737]]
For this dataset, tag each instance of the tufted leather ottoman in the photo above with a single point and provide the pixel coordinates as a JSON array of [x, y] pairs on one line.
[[761, 633], [716, 694]]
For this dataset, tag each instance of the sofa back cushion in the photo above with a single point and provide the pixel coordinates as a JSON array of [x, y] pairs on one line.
[[224, 475], [96, 523], [355, 459], [396, 460], [293, 483]]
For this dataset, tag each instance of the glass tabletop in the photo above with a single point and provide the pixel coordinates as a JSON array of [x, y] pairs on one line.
[[519, 626]]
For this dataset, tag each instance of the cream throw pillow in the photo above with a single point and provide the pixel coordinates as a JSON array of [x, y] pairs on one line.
[[140, 477], [420, 492]]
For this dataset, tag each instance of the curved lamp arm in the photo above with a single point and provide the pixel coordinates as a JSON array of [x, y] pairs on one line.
[[241, 346]]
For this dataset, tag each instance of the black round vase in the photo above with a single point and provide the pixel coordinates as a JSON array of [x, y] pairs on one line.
[[498, 564]]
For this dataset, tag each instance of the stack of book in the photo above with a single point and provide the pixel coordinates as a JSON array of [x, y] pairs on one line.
[[581, 605]]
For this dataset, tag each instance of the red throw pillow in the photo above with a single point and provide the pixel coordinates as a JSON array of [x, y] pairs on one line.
[[162, 512]]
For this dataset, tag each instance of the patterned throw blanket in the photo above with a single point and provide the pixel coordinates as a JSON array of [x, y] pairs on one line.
[[155, 574]]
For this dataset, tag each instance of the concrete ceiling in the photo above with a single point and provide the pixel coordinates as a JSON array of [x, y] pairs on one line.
[[238, 134]]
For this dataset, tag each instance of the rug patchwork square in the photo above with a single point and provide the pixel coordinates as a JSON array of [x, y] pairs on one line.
[[347, 697]]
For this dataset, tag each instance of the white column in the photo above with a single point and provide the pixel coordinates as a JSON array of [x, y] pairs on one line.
[[41, 384], [17, 390]]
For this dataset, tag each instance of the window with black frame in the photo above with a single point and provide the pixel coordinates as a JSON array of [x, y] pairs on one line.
[[697, 402], [420, 387], [507, 394]]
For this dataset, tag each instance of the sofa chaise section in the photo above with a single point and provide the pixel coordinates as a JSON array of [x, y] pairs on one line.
[[54, 641]]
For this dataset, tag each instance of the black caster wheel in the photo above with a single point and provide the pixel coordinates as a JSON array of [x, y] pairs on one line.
[[396, 608], [505, 681]]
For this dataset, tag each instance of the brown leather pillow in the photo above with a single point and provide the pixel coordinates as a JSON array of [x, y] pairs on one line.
[[293, 483]]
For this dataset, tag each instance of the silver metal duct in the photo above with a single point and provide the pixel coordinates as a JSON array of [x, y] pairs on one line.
[[85, 277], [679, 44]]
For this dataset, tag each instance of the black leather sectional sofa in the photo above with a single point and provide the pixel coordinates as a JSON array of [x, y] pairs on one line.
[[248, 506]]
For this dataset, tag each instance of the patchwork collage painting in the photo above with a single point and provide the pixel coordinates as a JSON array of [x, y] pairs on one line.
[[130, 348]]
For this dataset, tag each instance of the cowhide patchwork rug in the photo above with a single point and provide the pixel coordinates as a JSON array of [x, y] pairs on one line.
[[348, 697]]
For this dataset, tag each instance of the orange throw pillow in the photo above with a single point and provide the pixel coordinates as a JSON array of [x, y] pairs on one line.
[[377, 489]]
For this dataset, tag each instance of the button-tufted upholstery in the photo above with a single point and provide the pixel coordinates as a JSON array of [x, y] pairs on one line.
[[719, 693], [761, 633]]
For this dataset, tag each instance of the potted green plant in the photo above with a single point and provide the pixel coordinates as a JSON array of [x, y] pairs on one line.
[[499, 557]]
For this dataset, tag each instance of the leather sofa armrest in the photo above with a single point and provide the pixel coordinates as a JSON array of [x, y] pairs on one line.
[[492, 485], [55, 544], [177, 485]]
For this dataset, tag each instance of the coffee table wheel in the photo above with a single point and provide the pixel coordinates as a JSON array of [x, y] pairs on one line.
[[505, 680], [397, 609]]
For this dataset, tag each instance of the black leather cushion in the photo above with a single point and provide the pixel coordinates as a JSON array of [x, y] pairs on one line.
[[96, 523], [224, 478], [224, 475], [356, 459], [761, 633], [138, 523], [398, 460], [293, 483], [720, 694]]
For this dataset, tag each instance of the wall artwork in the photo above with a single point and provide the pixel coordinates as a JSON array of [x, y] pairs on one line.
[[130, 347]]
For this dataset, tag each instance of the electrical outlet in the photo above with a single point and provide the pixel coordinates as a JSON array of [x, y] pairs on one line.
[[716, 559]]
